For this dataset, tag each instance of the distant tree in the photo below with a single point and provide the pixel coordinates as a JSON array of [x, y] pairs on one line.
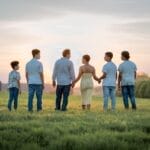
[[143, 89]]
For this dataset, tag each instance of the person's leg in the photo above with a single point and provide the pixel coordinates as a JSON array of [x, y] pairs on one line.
[[89, 98], [16, 93], [39, 94], [83, 96], [59, 91], [113, 97], [66, 92], [105, 97], [11, 95], [31, 91], [125, 96], [132, 96]]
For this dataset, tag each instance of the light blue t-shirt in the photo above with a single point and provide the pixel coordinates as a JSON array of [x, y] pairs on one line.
[[34, 68], [111, 70], [14, 77], [128, 69], [63, 72]]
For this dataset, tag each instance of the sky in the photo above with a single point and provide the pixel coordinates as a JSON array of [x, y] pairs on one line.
[[85, 26]]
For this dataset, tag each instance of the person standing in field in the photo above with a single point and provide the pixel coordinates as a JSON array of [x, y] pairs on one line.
[[35, 80], [86, 73], [14, 85], [126, 81], [109, 78], [64, 74]]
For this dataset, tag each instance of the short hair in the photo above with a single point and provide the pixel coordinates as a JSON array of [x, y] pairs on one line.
[[109, 54], [14, 64], [86, 57], [66, 52], [125, 54], [35, 52]]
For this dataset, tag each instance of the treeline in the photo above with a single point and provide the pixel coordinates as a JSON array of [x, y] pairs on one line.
[[143, 86]]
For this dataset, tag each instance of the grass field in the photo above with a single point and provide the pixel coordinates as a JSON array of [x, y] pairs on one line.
[[74, 129]]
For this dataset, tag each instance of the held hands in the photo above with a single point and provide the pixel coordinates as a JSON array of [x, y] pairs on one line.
[[99, 81], [119, 87]]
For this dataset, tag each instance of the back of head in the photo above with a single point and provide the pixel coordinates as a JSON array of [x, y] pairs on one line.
[[35, 52], [86, 57], [14, 64], [66, 52], [125, 55]]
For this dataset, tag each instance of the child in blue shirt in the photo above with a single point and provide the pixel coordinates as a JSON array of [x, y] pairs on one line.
[[14, 85], [109, 81]]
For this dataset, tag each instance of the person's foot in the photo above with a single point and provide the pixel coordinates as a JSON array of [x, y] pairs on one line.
[[57, 109], [88, 106], [64, 109], [83, 107]]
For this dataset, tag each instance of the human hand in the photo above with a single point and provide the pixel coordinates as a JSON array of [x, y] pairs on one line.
[[119, 87], [99, 81]]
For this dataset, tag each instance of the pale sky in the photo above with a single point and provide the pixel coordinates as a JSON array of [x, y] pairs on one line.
[[85, 26]]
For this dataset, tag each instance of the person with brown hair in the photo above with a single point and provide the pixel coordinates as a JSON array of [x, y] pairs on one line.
[[126, 79], [86, 72], [35, 80], [64, 74], [109, 78], [14, 85]]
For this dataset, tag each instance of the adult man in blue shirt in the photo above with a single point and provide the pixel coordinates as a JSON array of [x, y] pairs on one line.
[[127, 75], [64, 75]]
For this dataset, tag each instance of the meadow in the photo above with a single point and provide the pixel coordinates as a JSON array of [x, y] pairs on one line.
[[74, 129]]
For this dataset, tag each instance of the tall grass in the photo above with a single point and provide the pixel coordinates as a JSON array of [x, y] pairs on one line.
[[74, 129]]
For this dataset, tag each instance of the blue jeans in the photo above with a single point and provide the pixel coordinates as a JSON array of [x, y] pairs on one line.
[[109, 92], [128, 91], [62, 91], [32, 90], [13, 96]]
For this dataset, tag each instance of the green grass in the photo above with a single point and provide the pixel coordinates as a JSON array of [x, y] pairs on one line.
[[74, 129]]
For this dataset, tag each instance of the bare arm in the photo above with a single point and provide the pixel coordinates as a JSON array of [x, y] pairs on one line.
[[27, 77], [78, 78], [19, 86], [94, 75], [42, 78], [79, 75], [119, 80], [135, 74], [103, 76]]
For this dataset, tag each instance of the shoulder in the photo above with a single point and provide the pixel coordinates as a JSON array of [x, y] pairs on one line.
[[131, 62], [114, 64]]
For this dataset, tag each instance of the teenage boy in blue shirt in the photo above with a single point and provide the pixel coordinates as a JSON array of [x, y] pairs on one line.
[[126, 81]]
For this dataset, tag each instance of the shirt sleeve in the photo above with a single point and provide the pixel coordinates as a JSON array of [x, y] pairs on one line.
[[72, 72], [120, 68], [54, 75], [104, 70]]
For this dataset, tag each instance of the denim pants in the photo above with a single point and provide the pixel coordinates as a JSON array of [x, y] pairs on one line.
[[128, 92], [32, 90], [62, 91], [13, 96], [109, 92]]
